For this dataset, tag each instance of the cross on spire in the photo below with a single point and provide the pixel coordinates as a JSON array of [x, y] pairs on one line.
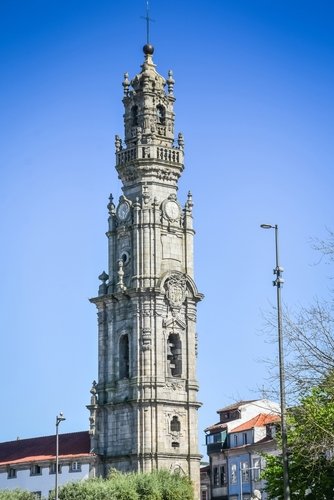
[[148, 19]]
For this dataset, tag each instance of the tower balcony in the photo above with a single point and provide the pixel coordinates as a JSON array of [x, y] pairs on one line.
[[173, 155]]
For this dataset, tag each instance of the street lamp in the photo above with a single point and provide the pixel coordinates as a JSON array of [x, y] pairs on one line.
[[59, 418], [278, 282], [241, 470]]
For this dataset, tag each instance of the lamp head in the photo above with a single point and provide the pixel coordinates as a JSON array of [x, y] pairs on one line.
[[267, 226], [60, 417]]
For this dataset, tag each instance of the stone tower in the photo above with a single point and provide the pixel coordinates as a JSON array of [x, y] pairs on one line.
[[143, 410]]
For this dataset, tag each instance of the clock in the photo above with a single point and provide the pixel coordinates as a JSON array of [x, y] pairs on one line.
[[123, 210], [172, 210]]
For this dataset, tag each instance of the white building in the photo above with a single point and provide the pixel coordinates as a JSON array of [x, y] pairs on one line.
[[236, 444], [30, 464]]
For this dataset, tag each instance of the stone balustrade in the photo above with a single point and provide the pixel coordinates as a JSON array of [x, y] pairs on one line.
[[151, 151]]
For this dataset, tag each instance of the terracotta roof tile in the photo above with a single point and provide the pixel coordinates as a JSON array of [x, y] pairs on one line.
[[260, 420], [74, 444]]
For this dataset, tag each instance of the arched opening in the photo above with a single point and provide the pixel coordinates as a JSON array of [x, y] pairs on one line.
[[124, 357], [161, 115], [174, 355], [175, 425], [125, 257], [134, 116]]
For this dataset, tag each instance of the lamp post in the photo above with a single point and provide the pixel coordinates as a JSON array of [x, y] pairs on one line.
[[59, 418], [241, 470], [278, 282], [241, 481]]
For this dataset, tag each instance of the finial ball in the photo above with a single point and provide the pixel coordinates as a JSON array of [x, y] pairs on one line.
[[148, 49]]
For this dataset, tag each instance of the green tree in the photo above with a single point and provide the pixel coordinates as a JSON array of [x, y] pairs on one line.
[[16, 495], [311, 448], [174, 486], [158, 485]]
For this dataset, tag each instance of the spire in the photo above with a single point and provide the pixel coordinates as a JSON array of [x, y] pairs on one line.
[[150, 151], [148, 48], [148, 20], [148, 106]]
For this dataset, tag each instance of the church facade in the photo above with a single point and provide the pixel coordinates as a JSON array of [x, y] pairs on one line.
[[143, 410]]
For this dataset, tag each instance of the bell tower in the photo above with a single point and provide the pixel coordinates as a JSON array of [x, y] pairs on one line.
[[143, 410]]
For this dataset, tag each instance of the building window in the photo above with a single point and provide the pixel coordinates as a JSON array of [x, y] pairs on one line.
[[134, 116], [175, 425], [256, 469], [215, 477], [174, 355], [161, 115], [124, 357], [271, 431], [223, 475], [175, 444], [218, 437], [245, 472], [53, 468], [75, 467], [11, 473], [244, 438], [36, 470], [204, 495], [235, 440], [233, 476]]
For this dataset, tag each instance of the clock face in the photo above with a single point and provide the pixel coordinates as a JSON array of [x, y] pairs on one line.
[[172, 210], [123, 210]]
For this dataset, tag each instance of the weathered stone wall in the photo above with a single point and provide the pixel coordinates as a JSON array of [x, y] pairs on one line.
[[144, 406]]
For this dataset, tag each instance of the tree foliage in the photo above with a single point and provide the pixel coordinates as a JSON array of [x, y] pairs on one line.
[[309, 372], [158, 485], [311, 448], [16, 495]]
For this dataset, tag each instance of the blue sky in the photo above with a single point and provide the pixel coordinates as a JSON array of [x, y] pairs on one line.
[[254, 88]]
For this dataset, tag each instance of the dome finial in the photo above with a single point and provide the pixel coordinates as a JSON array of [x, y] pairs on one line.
[[148, 49]]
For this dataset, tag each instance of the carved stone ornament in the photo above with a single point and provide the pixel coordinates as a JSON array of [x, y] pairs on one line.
[[177, 469], [175, 386], [124, 241], [146, 339], [93, 392], [176, 290]]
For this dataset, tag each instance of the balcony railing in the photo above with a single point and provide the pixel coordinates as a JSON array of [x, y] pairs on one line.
[[142, 152], [214, 447]]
